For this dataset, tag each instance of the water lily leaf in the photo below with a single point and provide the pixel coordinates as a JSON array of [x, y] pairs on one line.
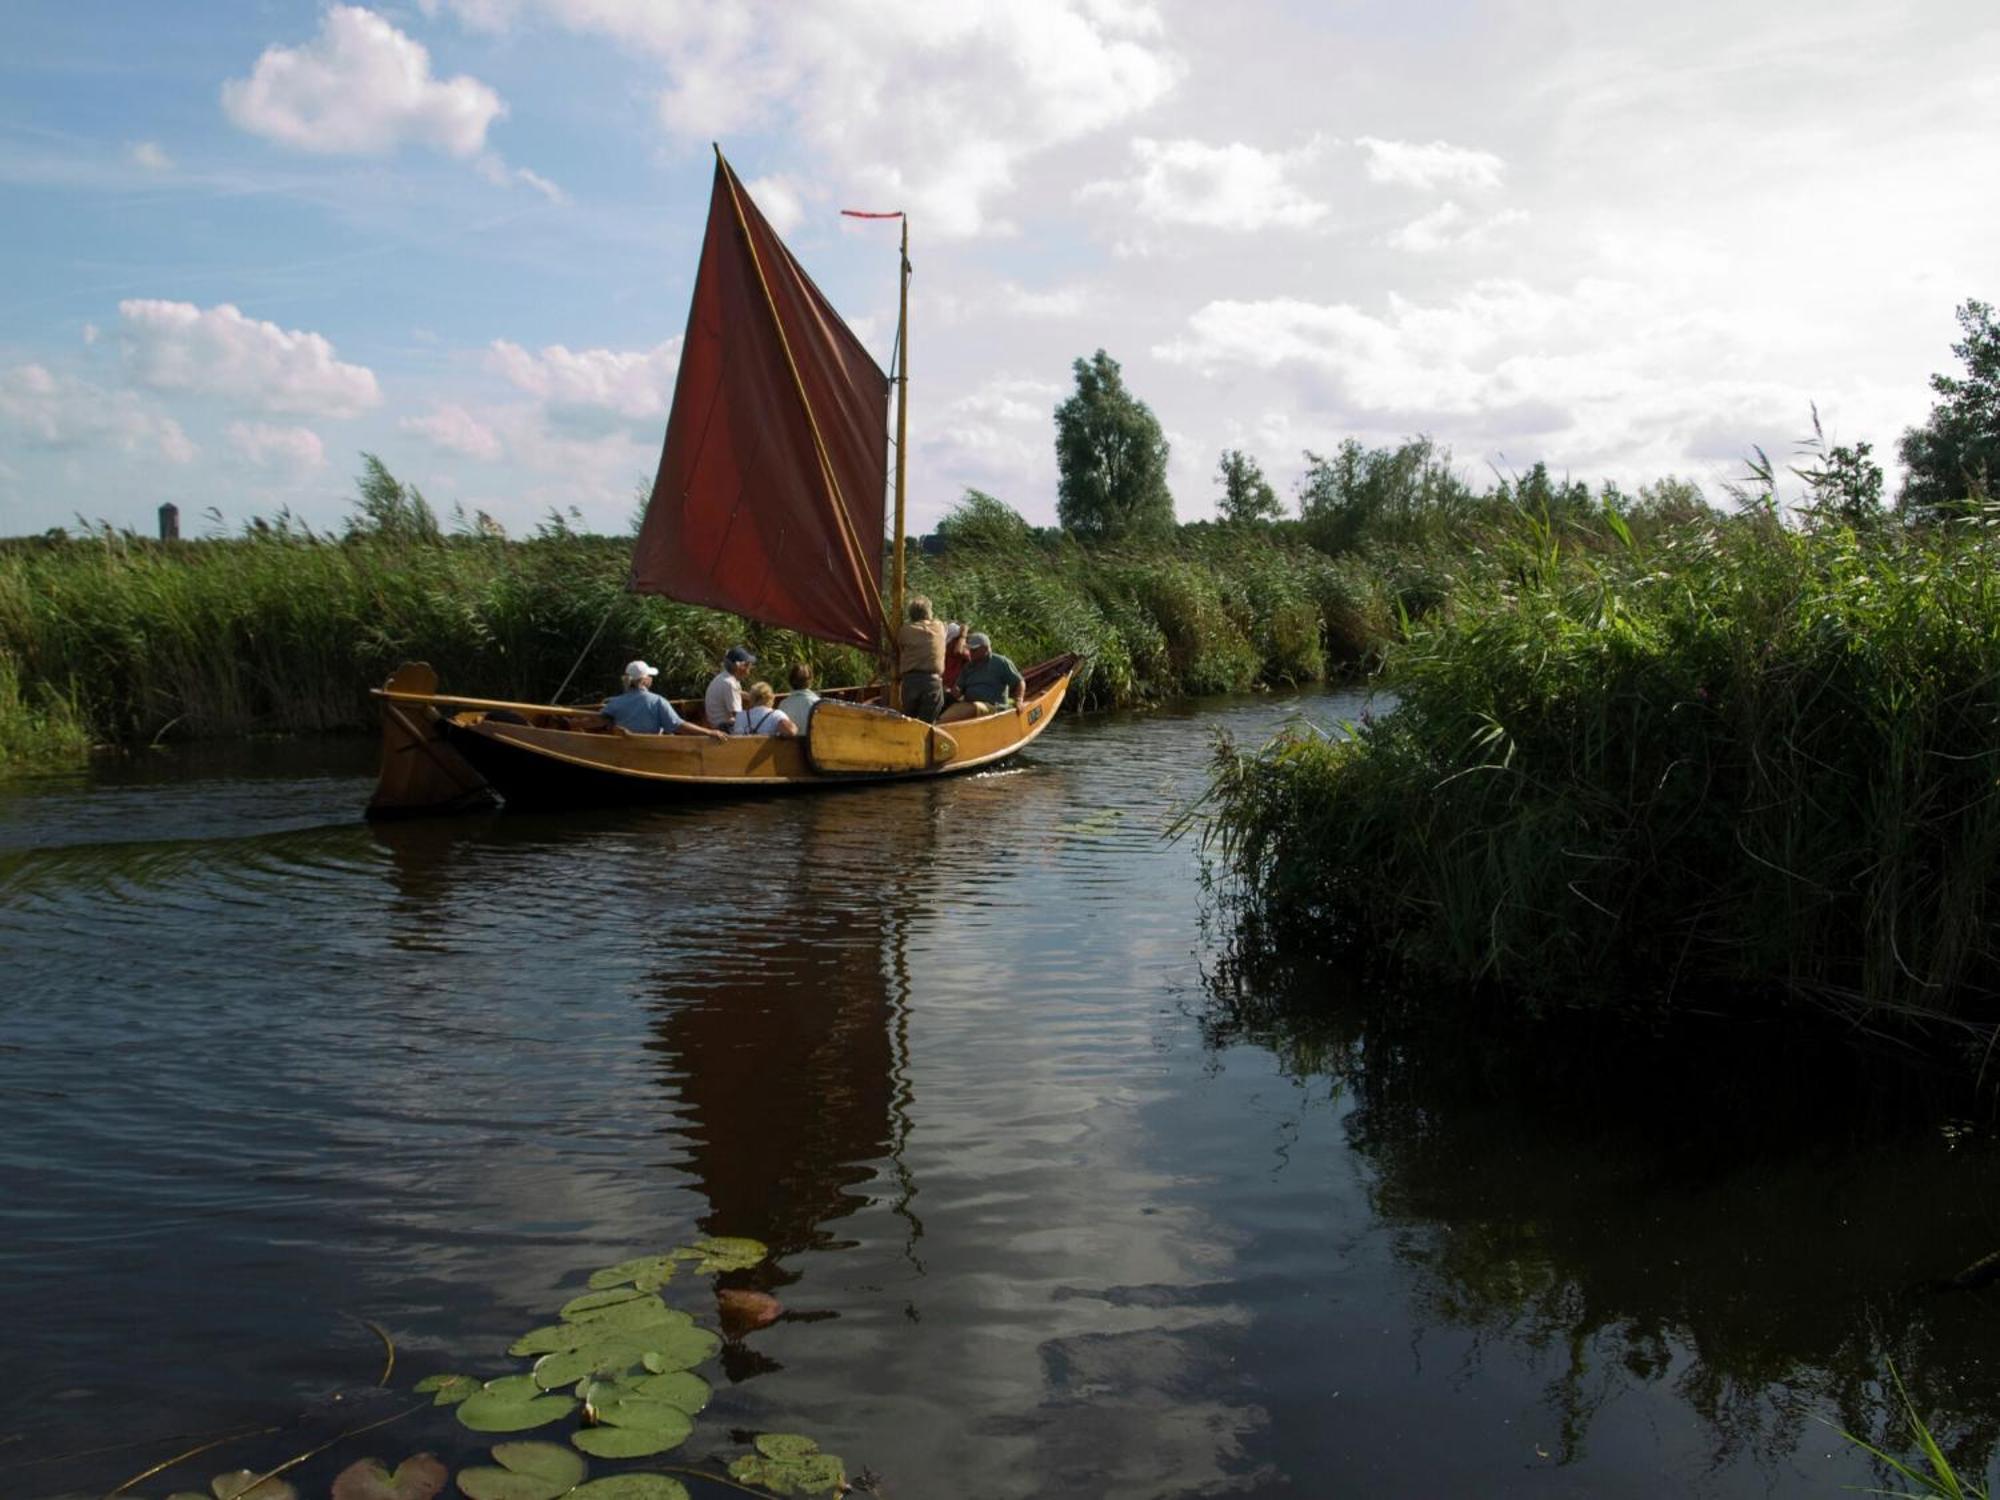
[[648, 1273], [451, 1389], [595, 1304], [784, 1445], [788, 1464], [239, 1484], [724, 1253], [528, 1471], [513, 1404], [417, 1478], [634, 1315], [626, 1442], [811, 1474], [631, 1487], [745, 1311], [650, 1416], [674, 1346], [682, 1388]]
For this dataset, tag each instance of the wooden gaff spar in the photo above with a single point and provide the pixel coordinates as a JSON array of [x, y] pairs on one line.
[[768, 504]]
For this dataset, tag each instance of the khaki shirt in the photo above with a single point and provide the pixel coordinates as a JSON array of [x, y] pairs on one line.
[[920, 647]]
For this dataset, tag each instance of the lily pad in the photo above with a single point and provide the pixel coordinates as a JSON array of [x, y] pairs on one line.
[[553, 1338], [239, 1484], [682, 1388], [450, 1389], [528, 1471], [626, 1442], [673, 1346], [723, 1253], [631, 1487], [648, 1273], [641, 1414], [512, 1404], [599, 1304], [788, 1464], [417, 1478]]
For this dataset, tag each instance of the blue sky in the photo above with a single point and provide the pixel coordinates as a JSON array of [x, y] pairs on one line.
[[246, 243]]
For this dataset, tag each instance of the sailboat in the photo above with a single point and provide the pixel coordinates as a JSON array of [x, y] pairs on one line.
[[768, 504]]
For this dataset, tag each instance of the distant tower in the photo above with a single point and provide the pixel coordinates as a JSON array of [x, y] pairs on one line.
[[170, 522]]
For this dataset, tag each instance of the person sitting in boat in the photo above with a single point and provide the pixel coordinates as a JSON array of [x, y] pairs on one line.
[[759, 715], [987, 681], [956, 655], [724, 699], [920, 661], [640, 710], [797, 705]]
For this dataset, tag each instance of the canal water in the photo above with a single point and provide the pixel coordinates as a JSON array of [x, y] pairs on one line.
[[1048, 1216]]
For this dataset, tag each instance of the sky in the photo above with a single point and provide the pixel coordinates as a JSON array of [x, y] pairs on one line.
[[246, 243]]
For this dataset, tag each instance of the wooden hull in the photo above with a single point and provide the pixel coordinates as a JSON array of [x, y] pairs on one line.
[[544, 756]]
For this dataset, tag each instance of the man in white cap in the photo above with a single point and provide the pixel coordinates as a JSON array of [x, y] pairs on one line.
[[724, 699], [640, 710], [984, 685]]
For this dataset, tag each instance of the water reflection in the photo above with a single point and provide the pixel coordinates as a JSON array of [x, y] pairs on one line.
[[1758, 1231]]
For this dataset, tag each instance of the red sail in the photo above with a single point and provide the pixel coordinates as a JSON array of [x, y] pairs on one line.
[[769, 497]]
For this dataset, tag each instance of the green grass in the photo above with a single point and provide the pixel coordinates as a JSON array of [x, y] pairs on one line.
[[120, 641], [1735, 759]]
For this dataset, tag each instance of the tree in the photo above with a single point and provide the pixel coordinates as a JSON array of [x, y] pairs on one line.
[[1111, 458], [1954, 456], [1389, 493], [1246, 494]]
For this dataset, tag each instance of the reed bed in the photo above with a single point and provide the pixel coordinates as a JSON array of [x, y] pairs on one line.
[[122, 641], [1734, 760]]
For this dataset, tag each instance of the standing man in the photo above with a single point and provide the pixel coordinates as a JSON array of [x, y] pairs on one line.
[[987, 681], [724, 699], [640, 710], [920, 661]]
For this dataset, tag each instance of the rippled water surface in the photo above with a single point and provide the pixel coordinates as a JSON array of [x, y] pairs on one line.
[[270, 1074]]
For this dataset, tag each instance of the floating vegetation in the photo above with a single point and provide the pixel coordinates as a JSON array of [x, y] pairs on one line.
[[620, 1359], [417, 1478], [527, 1471], [788, 1464]]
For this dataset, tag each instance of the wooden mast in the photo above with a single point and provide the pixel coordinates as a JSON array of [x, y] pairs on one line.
[[902, 420]]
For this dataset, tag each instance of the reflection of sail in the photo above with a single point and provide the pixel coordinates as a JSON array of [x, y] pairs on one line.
[[785, 1049]]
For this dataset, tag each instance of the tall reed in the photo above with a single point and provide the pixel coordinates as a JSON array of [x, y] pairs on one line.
[[1737, 758], [127, 640]]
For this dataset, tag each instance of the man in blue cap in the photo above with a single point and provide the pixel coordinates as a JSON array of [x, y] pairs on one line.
[[724, 699]]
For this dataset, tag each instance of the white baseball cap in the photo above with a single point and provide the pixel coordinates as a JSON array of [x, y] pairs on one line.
[[634, 670], [978, 639]]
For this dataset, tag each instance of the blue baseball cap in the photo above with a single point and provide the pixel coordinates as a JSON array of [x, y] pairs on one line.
[[740, 654]]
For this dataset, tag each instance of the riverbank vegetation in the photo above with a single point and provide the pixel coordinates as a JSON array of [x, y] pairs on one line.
[[118, 640], [1717, 758]]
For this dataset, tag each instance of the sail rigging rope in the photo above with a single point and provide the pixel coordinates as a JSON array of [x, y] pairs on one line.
[[585, 651]]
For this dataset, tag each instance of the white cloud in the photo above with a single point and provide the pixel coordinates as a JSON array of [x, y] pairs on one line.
[[360, 88], [778, 198], [958, 97], [148, 154], [1233, 187], [1437, 164], [61, 411], [277, 447], [631, 383], [176, 346], [1011, 398], [456, 430], [1449, 226]]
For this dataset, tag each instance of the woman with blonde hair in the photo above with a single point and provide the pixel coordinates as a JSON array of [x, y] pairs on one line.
[[758, 716]]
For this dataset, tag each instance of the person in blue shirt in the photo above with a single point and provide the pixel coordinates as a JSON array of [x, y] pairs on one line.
[[640, 710]]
